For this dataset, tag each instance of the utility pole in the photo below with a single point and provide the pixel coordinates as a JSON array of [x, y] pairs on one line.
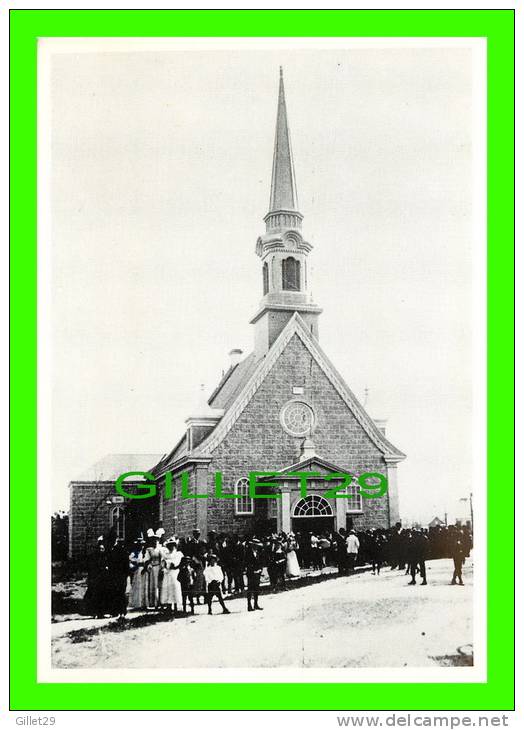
[[470, 500]]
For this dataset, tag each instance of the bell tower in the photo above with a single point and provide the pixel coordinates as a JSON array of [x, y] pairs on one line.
[[282, 249]]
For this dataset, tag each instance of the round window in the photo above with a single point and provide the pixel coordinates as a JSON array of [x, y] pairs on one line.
[[297, 418]]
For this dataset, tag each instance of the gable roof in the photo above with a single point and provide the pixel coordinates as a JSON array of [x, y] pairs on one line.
[[232, 382], [177, 452], [255, 375], [436, 521], [223, 395], [240, 384], [313, 463]]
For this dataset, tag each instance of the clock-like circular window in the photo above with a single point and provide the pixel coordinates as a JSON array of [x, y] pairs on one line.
[[297, 418]]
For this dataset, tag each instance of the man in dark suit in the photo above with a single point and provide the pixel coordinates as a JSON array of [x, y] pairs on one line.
[[418, 547], [339, 541], [195, 547], [96, 598], [236, 559], [254, 563], [458, 550], [118, 570]]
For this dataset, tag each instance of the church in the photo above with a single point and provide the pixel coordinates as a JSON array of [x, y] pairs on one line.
[[283, 408]]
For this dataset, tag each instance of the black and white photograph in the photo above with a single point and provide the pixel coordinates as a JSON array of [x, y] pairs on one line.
[[261, 305]]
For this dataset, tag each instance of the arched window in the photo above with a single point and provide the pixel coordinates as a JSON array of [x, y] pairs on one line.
[[117, 521], [245, 504], [354, 498], [265, 278], [313, 506], [291, 274]]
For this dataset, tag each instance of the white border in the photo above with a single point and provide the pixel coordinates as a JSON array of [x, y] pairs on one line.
[[519, 360], [46, 673]]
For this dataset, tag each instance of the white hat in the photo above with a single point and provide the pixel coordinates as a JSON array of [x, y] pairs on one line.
[[160, 532], [100, 539], [150, 532]]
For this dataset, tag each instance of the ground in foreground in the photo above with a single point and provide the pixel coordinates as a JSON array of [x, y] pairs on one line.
[[358, 621]]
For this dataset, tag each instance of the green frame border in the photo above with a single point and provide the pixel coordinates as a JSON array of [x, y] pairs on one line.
[[498, 27]]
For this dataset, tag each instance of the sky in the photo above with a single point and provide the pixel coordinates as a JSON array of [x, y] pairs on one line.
[[160, 176]]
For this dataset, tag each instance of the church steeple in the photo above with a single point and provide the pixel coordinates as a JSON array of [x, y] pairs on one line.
[[283, 183], [283, 250]]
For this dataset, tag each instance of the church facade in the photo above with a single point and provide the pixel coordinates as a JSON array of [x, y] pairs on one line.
[[283, 409]]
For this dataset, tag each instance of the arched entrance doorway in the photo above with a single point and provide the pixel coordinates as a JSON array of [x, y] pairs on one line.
[[313, 514]]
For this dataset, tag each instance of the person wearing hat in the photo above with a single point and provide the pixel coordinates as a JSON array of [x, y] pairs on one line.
[[237, 552], [154, 555], [339, 544], [314, 551], [212, 545], [118, 571], [352, 548], [417, 556], [254, 563], [171, 590], [195, 547], [232, 559], [96, 595], [186, 578], [139, 584], [214, 577], [276, 564], [292, 566], [458, 549], [199, 582]]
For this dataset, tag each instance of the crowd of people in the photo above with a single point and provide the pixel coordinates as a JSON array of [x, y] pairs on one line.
[[175, 573]]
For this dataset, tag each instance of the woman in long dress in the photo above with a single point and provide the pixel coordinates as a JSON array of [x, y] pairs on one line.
[[171, 590], [139, 580], [96, 597], [118, 563], [292, 566], [154, 556]]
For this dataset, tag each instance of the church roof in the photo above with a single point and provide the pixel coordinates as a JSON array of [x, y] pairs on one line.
[[222, 397], [180, 448], [283, 184], [254, 376], [232, 382], [240, 384], [111, 466]]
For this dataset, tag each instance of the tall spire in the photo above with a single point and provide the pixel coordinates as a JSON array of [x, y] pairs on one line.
[[283, 185], [282, 248]]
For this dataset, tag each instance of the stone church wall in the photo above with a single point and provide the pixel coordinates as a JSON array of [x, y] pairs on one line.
[[257, 441], [90, 515], [179, 516]]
